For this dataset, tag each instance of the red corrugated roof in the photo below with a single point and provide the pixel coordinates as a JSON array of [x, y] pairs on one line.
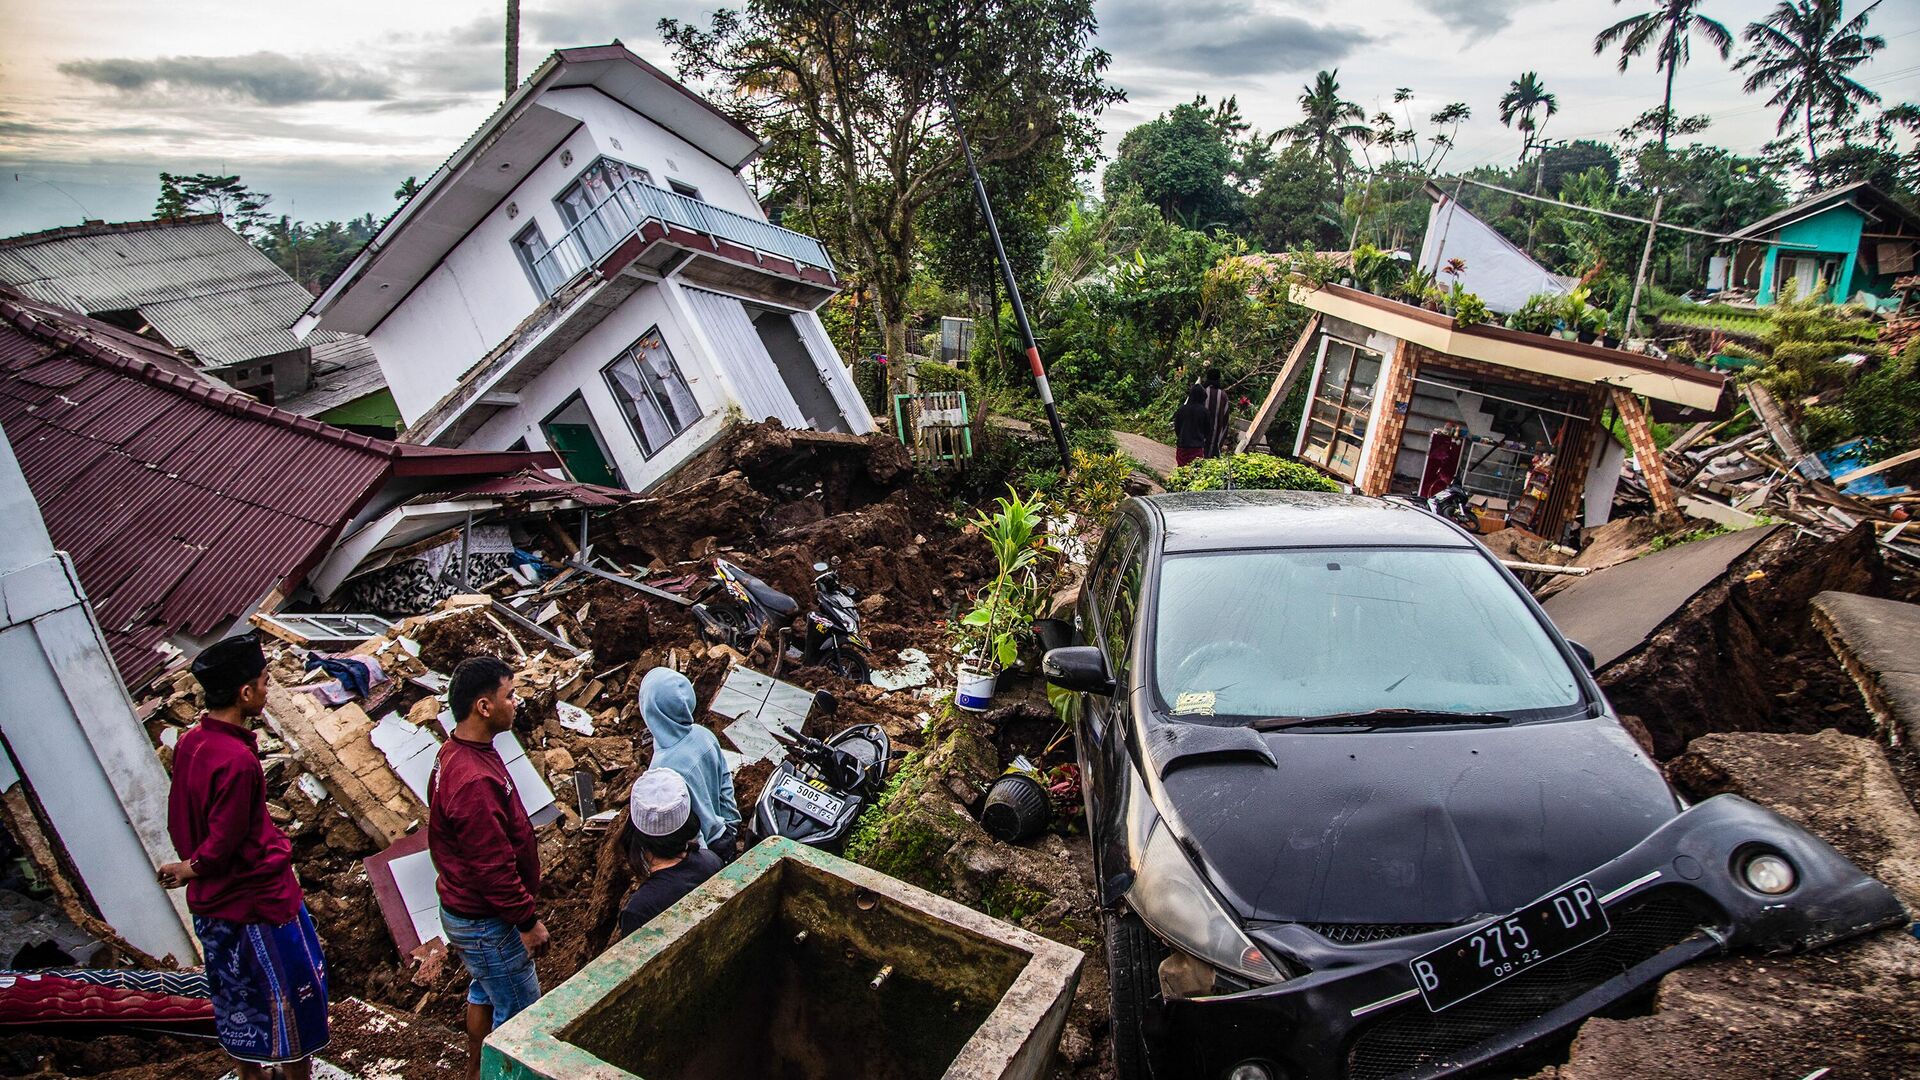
[[535, 484], [182, 504]]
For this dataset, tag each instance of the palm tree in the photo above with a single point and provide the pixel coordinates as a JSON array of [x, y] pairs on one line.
[[1673, 22], [1330, 122], [1804, 52], [1524, 96]]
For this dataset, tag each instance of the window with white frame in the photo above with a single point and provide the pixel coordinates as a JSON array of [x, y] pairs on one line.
[[597, 206], [531, 246], [1339, 407], [652, 393]]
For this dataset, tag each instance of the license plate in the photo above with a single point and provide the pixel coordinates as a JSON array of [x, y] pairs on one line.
[[1499, 950], [809, 800]]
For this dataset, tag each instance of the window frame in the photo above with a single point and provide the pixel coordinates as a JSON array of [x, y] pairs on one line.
[[1344, 408], [526, 264], [684, 189], [644, 175], [620, 394]]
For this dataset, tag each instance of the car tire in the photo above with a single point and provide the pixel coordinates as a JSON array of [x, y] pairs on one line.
[[1133, 977]]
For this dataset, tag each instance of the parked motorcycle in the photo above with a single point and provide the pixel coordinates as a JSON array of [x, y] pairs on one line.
[[819, 789], [738, 608], [1453, 503]]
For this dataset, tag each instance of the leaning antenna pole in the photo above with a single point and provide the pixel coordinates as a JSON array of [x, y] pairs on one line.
[[1013, 294]]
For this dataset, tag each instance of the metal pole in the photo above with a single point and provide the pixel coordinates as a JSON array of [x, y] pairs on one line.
[[466, 529], [1646, 257], [1013, 295]]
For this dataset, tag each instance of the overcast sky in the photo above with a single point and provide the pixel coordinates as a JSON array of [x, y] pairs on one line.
[[329, 107]]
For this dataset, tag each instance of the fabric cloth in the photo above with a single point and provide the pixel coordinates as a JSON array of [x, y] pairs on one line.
[[217, 819], [497, 962], [1192, 424], [664, 888], [666, 704], [357, 674], [659, 803], [268, 983], [482, 843], [1218, 421], [1187, 455]]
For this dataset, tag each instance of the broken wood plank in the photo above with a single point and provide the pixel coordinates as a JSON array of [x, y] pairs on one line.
[[1774, 420], [532, 628], [634, 585], [1878, 466], [1633, 416], [1547, 568], [1282, 383]]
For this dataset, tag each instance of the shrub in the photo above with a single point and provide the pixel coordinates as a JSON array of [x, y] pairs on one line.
[[1098, 483], [1249, 471], [1885, 402]]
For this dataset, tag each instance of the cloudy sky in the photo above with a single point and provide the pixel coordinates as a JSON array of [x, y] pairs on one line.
[[329, 107]]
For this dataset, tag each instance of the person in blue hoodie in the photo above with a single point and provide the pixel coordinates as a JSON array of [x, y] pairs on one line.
[[667, 704]]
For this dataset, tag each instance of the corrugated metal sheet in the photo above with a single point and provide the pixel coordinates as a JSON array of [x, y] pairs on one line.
[[201, 285], [181, 503], [344, 369]]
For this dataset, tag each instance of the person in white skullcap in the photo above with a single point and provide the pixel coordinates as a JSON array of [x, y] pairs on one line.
[[662, 839]]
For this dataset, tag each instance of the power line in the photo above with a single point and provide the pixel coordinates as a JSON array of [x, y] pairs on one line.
[[1609, 213]]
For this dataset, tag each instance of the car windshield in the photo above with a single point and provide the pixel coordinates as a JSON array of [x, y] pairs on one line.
[[1317, 632]]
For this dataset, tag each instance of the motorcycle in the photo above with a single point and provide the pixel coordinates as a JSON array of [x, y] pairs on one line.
[[738, 609], [1453, 503], [819, 789]]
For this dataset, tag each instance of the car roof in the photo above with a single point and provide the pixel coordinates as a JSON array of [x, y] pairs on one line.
[[1217, 520]]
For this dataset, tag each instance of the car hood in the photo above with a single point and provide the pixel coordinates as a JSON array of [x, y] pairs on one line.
[[1413, 826]]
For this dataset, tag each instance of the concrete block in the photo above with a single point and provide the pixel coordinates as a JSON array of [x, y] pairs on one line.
[[794, 962]]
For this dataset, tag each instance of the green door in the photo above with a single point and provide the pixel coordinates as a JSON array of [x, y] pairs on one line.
[[571, 434]]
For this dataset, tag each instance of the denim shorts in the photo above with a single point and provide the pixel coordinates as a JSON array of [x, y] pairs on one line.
[[497, 961]]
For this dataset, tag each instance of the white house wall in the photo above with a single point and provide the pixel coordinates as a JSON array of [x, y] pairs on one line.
[[578, 369], [71, 732], [619, 132]]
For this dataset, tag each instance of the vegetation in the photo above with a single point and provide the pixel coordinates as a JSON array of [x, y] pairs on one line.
[[1001, 619], [1249, 472]]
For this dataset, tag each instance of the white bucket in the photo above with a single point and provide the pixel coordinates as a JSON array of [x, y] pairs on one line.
[[975, 690]]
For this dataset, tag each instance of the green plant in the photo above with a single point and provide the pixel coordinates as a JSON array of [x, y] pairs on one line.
[[1374, 270], [1003, 612], [1415, 286], [1669, 540], [1884, 402], [1538, 315], [1580, 315], [1249, 471], [1468, 308], [1098, 483]]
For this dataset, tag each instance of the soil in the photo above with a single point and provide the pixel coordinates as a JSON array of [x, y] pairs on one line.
[[1743, 655]]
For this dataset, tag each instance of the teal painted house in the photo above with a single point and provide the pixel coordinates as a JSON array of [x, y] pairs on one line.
[[1850, 240]]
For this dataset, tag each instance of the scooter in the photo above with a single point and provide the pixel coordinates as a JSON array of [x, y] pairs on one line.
[[1453, 503], [738, 608], [818, 790]]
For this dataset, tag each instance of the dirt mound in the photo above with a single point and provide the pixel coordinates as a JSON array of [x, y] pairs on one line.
[[1743, 655]]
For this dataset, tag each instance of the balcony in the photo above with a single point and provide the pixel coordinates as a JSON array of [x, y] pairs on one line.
[[654, 214]]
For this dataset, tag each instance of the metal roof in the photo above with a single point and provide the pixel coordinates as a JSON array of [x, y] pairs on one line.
[[182, 503], [203, 288], [1851, 194], [344, 369]]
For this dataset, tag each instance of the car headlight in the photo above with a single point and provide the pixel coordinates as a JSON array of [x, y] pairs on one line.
[[1169, 897], [1769, 874]]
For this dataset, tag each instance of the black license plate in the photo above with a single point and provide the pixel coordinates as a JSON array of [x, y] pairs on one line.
[[1499, 950]]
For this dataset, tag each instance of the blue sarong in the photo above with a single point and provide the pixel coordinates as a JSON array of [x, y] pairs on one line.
[[269, 987]]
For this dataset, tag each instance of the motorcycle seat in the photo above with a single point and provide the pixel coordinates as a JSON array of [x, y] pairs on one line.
[[767, 596]]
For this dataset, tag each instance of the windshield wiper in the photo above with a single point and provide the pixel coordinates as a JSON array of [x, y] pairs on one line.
[[1379, 718]]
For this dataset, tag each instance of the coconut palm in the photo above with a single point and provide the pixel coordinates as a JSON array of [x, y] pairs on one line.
[[1523, 97], [1672, 25], [1330, 124], [1805, 52]]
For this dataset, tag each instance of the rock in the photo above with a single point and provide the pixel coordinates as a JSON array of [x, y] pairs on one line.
[[559, 760], [610, 753], [425, 712], [1838, 787]]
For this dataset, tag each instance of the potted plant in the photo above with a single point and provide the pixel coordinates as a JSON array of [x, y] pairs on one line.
[[1581, 318], [1539, 315], [1468, 308], [1608, 339], [989, 636]]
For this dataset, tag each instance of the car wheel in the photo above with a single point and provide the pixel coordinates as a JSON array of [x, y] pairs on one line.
[[1134, 978]]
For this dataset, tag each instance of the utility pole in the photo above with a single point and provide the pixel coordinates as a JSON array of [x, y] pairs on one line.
[[1646, 258], [513, 47], [1013, 296]]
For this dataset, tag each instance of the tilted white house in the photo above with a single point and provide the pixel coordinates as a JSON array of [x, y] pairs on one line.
[[590, 274]]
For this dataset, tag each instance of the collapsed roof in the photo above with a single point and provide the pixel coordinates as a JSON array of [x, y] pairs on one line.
[[183, 503]]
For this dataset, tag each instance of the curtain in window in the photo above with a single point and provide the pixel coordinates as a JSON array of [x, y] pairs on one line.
[[652, 392]]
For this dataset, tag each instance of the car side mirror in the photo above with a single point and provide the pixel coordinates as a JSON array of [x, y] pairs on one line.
[[1053, 633], [1585, 654], [1080, 668]]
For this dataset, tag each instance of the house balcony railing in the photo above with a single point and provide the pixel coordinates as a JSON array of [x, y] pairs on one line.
[[631, 205]]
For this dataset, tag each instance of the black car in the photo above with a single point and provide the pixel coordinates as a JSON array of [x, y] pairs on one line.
[[1358, 810]]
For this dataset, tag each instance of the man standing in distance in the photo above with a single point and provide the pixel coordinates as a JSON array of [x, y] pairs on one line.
[[484, 849], [265, 971]]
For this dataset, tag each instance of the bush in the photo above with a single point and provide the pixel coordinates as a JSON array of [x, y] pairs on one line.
[[1098, 484], [1884, 403], [1249, 471]]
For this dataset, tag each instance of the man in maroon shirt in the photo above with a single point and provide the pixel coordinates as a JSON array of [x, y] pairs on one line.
[[484, 849], [265, 971]]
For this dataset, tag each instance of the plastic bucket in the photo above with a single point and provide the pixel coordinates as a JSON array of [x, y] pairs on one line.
[[1017, 808], [974, 691]]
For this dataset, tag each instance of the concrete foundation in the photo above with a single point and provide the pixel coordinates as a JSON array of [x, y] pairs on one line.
[[794, 963]]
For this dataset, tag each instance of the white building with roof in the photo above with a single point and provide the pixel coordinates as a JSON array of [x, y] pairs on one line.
[[590, 274]]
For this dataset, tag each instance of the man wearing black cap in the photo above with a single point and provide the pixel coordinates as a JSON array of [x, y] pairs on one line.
[[265, 972]]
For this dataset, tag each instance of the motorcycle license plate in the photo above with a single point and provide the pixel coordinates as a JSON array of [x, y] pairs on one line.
[[1550, 927], [819, 805]]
